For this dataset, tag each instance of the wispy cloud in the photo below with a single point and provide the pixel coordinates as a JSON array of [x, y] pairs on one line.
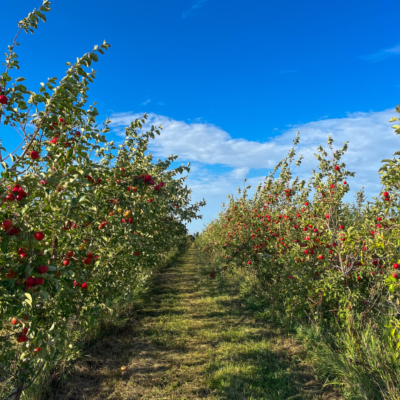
[[198, 4], [287, 71], [370, 136], [382, 54], [209, 147], [146, 102]]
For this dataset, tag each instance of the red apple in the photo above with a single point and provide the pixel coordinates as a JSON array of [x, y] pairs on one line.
[[34, 155], [30, 281], [24, 256], [22, 338], [39, 236], [43, 269], [7, 225]]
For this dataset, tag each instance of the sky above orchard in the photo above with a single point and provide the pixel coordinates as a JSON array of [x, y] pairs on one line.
[[231, 81]]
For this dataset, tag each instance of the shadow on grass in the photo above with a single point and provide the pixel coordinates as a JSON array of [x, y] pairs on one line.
[[192, 339], [98, 372], [254, 359]]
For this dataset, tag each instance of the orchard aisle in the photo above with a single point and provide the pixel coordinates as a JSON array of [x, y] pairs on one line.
[[193, 341]]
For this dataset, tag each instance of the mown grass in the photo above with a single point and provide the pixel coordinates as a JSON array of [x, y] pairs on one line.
[[192, 339]]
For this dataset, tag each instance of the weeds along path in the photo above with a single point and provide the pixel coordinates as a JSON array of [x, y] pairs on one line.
[[193, 340]]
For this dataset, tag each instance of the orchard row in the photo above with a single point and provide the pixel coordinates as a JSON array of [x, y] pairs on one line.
[[84, 222], [307, 249]]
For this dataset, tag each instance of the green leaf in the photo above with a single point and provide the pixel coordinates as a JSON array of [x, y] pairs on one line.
[[24, 355], [44, 294], [82, 199], [28, 299], [41, 16], [4, 244]]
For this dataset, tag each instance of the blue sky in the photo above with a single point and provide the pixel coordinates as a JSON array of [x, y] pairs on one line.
[[236, 78]]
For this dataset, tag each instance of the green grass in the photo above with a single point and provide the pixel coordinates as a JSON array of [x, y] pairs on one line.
[[363, 367], [193, 339], [359, 358]]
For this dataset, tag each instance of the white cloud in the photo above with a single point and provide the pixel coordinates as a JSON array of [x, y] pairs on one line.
[[146, 102], [382, 54], [370, 137], [215, 188], [205, 143], [239, 173], [369, 134]]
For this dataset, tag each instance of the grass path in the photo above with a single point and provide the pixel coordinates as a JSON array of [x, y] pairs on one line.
[[193, 340]]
